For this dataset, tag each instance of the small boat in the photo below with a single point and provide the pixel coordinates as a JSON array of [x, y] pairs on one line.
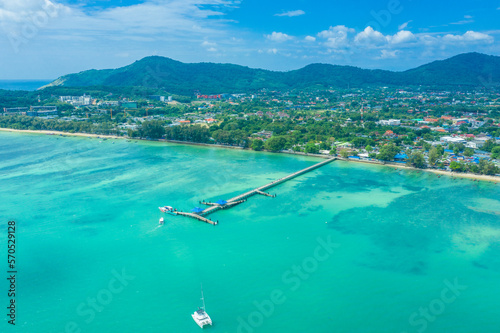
[[167, 209], [161, 220], [200, 316]]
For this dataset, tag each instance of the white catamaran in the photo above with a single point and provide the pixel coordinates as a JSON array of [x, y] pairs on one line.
[[200, 316]]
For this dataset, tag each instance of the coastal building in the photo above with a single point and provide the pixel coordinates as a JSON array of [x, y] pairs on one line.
[[471, 144], [128, 104], [452, 139], [32, 111], [77, 100], [264, 134], [13, 111], [389, 133], [157, 98], [460, 121], [390, 122], [431, 120], [108, 103], [476, 123], [41, 111], [400, 157]]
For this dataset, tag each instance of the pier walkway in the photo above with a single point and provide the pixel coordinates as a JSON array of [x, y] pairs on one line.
[[265, 194], [260, 190], [198, 217]]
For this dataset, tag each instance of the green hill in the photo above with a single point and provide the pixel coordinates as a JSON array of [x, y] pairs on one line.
[[471, 69]]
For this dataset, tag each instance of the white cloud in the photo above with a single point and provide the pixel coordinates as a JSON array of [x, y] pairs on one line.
[[334, 31], [387, 54], [336, 37], [172, 18], [467, 19], [310, 38], [292, 13], [468, 37], [402, 36], [370, 36], [427, 40], [208, 44], [272, 51], [278, 37], [404, 25], [68, 36], [342, 38], [36, 13]]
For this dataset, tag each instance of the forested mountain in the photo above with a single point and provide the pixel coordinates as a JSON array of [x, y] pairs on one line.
[[471, 69]]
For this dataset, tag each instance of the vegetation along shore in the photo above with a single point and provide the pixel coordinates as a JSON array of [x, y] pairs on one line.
[[476, 177]]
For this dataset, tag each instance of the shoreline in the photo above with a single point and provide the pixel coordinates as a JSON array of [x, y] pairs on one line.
[[47, 132], [475, 177], [472, 176]]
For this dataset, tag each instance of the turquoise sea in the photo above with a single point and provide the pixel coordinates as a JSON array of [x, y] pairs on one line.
[[345, 248], [28, 85]]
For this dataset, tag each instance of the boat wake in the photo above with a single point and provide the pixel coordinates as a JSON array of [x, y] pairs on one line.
[[154, 229]]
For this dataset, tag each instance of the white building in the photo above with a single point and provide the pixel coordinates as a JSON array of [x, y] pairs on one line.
[[76, 100], [451, 139], [390, 122], [471, 144]]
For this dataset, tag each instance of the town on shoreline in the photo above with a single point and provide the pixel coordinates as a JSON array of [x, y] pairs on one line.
[[442, 131], [393, 165]]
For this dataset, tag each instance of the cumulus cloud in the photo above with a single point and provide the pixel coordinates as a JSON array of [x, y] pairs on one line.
[[336, 37], [342, 38], [401, 37], [310, 38], [427, 40], [370, 36], [292, 13], [469, 36], [334, 31], [278, 37]]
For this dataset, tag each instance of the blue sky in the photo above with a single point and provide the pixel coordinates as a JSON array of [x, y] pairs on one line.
[[44, 39]]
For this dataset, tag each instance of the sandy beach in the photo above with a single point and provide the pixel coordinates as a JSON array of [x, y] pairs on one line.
[[471, 176], [474, 177], [63, 133]]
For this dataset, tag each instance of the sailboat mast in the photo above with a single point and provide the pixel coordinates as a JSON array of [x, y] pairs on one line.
[[202, 298]]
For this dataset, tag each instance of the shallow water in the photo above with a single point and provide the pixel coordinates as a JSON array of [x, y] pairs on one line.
[[345, 248]]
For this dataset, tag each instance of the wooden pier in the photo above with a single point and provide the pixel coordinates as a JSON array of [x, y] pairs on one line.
[[260, 190], [281, 180], [198, 217], [215, 206], [265, 194]]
